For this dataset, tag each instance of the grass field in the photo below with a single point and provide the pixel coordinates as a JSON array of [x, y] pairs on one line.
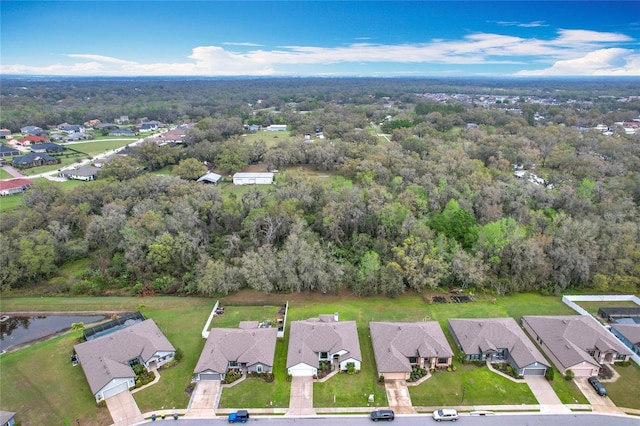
[[10, 202], [99, 146], [182, 319], [5, 174]]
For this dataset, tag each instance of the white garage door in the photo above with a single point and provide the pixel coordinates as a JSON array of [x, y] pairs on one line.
[[209, 376], [302, 370], [583, 372], [121, 387], [533, 371]]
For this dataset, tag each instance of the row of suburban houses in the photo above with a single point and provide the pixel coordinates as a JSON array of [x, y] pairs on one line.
[[573, 342]]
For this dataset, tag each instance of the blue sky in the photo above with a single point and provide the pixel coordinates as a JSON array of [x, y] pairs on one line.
[[320, 38]]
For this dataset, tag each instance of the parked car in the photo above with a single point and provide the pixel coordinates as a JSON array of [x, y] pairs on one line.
[[447, 414], [387, 415], [600, 390], [239, 416]]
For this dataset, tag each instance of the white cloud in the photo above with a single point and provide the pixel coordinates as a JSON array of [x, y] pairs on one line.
[[572, 52], [603, 62], [230, 43], [531, 24]]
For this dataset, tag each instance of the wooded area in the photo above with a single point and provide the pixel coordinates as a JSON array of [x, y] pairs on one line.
[[434, 204]]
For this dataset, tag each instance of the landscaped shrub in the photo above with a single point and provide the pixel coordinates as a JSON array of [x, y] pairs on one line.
[[269, 377], [623, 364], [179, 355], [417, 373], [549, 374], [381, 379], [568, 376], [289, 378], [351, 368], [231, 376]]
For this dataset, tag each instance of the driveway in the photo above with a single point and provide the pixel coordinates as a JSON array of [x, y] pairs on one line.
[[123, 409], [546, 396], [301, 399], [205, 395], [13, 172], [599, 404], [398, 396]]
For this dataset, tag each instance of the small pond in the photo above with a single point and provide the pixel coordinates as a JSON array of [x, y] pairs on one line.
[[20, 330]]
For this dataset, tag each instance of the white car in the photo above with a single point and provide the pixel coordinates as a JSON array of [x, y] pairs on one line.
[[445, 414]]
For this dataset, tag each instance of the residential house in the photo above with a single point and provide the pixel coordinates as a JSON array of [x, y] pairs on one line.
[[7, 418], [629, 334], [49, 148], [211, 177], [106, 126], [78, 136], [575, 342], [31, 130], [148, 127], [33, 159], [92, 123], [71, 128], [253, 178], [85, 173], [32, 140], [14, 186], [122, 132], [399, 346], [323, 339], [173, 136], [254, 127], [246, 349], [498, 340], [123, 119], [5, 133], [107, 361], [8, 151]]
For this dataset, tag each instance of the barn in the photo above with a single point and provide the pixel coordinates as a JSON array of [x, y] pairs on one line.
[[253, 179]]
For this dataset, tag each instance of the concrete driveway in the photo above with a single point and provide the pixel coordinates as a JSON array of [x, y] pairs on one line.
[[599, 404], [398, 396], [204, 399], [301, 398], [546, 396], [123, 409]]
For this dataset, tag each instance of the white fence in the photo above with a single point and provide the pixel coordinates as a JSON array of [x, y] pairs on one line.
[[570, 302], [207, 326]]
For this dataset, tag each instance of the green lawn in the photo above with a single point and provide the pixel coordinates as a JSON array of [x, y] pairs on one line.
[[624, 391], [5, 174], [271, 139], [567, 391], [182, 319], [481, 387], [10, 202], [592, 307], [100, 146]]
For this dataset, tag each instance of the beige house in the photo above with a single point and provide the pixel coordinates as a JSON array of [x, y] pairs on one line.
[[107, 361], [245, 349], [322, 339], [575, 342], [398, 346]]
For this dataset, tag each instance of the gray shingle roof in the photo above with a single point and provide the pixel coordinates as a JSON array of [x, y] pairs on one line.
[[630, 331], [478, 335], [309, 337], [106, 358], [244, 345], [395, 342], [570, 336]]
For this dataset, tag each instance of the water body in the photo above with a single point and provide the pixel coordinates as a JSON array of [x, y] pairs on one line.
[[20, 330]]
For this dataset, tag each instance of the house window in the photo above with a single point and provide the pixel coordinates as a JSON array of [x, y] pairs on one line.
[[233, 364], [592, 352], [474, 357], [259, 368], [621, 357], [443, 360], [324, 355], [413, 360]]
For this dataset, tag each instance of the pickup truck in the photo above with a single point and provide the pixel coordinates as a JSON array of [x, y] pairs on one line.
[[239, 416]]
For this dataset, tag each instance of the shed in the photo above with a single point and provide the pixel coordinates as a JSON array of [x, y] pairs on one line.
[[210, 178], [253, 179]]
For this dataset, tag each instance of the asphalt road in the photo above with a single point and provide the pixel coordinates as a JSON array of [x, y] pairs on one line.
[[421, 420]]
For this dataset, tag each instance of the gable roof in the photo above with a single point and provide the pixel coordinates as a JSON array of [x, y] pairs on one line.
[[14, 183], [81, 171], [210, 177], [569, 337], [106, 358], [9, 150], [31, 157], [48, 147], [395, 342], [309, 337], [479, 335], [33, 139], [630, 331], [244, 345]]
